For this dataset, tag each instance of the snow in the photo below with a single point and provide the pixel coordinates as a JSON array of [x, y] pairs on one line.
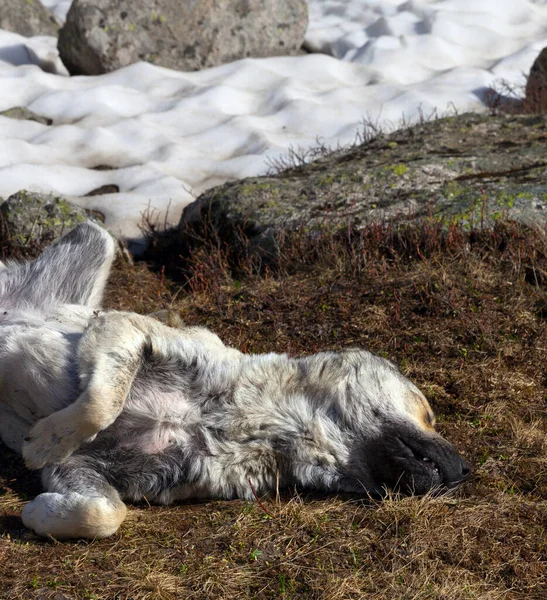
[[166, 136], [58, 7]]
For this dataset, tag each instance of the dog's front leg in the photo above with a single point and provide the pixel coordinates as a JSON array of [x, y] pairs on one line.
[[110, 354]]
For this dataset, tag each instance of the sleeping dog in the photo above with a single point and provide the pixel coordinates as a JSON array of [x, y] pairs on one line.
[[115, 406]]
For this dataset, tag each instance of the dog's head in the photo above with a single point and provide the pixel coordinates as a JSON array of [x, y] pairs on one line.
[[391, 428]]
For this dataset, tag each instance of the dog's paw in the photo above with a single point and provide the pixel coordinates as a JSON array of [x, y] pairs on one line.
[[42, 513], [50, 442], [71, 515], [45, 446]]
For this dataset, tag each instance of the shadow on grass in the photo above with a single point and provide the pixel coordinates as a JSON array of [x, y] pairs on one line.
[[17, 484]]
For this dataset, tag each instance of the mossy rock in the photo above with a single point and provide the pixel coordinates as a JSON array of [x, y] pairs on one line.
[[33, 220], [22, 113], [471, 169]]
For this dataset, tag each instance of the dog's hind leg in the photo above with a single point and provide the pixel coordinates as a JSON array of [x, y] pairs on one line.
[[110, 355], [79, 502], [73, 270]]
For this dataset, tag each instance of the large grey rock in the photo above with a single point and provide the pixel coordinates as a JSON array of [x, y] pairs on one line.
[[471, 169], [103, 35], [32, 220], [27, 17]]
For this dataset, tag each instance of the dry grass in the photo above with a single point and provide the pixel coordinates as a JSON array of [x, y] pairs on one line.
[[464, 315]]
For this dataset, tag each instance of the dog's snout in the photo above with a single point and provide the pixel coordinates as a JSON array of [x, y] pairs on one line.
[[459, 472], [465, 468]]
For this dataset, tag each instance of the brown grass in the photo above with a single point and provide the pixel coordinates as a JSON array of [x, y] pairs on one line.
[[464, 315]]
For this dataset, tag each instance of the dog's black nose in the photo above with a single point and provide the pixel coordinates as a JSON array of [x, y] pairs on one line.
[[465, 468]]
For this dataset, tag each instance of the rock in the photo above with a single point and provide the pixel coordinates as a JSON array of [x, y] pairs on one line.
[[470, 169], [109, 188], [31, 220], [27, 17], [103, 35], [22, 113], [536, 85]]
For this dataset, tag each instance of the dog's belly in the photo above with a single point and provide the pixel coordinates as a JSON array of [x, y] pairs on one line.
[[152, 422], [164, 435]]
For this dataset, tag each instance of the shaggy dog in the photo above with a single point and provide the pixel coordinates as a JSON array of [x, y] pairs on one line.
[[114, 406]]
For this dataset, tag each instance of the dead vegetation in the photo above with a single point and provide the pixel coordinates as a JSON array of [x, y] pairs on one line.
[[464, 315]]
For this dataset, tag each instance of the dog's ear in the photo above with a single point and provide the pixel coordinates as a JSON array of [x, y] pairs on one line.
[[73, 270]]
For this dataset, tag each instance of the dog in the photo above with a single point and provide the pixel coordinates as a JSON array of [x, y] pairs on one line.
[[114, 406]]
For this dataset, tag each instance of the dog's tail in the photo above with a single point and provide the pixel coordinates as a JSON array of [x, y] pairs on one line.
[[73, 270]]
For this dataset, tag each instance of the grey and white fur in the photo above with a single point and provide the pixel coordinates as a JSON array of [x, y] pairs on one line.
[[114, 406]]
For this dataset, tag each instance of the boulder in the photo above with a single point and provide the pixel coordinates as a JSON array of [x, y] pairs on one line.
[[30, 220], [470, 169], [27, 17], [103, 35]]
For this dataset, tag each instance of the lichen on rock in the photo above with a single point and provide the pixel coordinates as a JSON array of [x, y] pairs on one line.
[[471, 169], [21, 113], [30, 219]]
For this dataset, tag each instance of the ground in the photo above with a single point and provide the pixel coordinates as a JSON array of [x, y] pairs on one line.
[[464, 316]]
